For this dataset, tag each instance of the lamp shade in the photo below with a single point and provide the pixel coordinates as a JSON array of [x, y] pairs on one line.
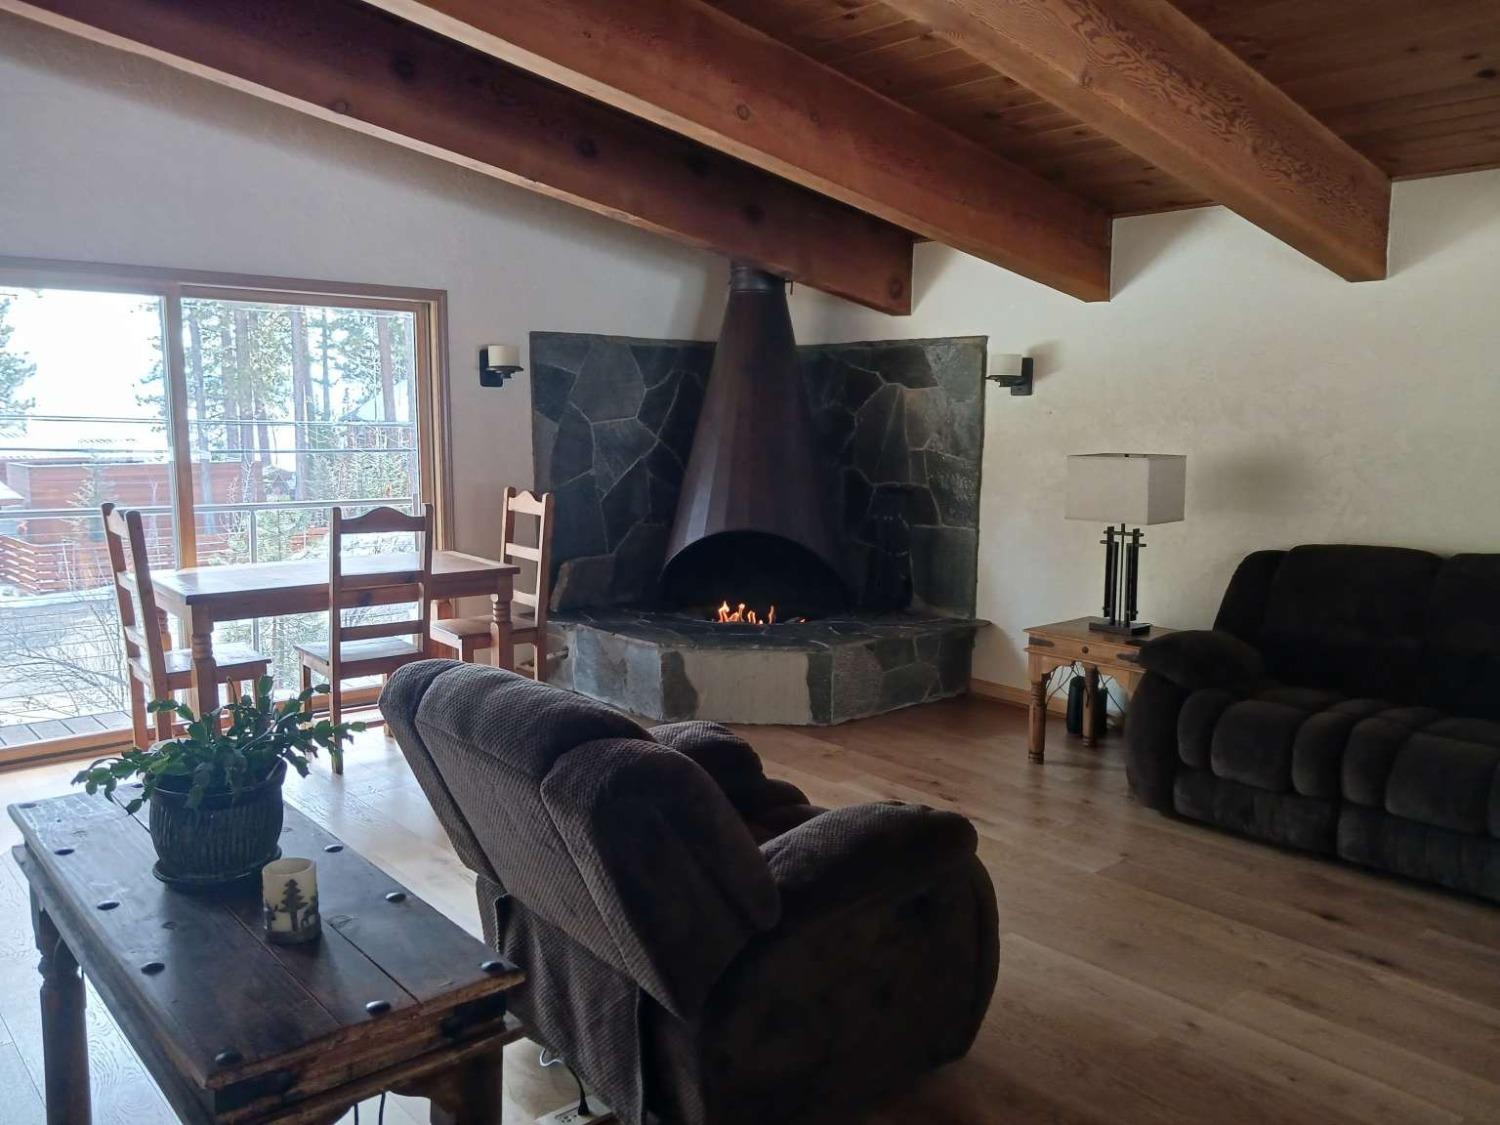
[[1130, 488]]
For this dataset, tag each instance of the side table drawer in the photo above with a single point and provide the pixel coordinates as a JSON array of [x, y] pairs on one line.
[[1105, 651]]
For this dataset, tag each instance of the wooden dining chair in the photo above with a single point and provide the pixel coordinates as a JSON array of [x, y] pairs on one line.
[[374, 648], [156, 669], [467, 635]]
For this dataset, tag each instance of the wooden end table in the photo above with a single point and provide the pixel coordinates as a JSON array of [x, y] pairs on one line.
[[1063, 644], [393, 996]]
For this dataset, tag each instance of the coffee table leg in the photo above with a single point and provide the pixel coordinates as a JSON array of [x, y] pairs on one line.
[[65, 1042], [469, 1094]]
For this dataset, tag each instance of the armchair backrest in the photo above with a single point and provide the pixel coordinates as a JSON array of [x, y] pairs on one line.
[[626, 846], [1383, 622]]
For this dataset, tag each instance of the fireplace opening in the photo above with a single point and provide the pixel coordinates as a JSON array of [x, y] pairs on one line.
[[755, 570]]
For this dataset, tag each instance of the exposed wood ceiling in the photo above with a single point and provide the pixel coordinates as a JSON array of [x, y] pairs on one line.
[[1008, 128], [354, 65], [1414, 85]]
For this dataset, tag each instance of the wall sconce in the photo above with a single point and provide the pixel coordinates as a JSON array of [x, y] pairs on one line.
[[497, 363], [1009, 370]]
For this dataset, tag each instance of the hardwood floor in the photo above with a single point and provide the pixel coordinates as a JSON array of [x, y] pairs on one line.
[[1151, 971]]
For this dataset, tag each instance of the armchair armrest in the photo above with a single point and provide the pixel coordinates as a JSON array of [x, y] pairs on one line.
[[732, 763], [1204, 658], [849, 854]]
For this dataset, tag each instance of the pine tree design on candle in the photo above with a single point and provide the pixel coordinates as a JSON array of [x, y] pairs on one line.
[[290, 901]]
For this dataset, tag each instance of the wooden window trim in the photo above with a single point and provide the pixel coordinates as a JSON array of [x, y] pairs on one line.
[[429, 309]]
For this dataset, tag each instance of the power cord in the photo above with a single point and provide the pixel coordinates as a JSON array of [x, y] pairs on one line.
[[583, 1101]]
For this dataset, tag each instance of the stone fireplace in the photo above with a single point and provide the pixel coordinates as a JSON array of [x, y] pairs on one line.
[[837, 483]]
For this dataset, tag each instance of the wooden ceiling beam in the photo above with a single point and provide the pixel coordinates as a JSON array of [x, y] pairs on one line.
[[349, 63], [1148, 77], [699, 72]]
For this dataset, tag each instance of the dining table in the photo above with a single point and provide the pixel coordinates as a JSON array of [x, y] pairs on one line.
[[204, 596]]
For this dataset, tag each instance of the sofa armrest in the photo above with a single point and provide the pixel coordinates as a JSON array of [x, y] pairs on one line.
[[1204, 658], [845, 855]]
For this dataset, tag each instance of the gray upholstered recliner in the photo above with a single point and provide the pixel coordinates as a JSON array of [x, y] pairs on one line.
[[700, 943]]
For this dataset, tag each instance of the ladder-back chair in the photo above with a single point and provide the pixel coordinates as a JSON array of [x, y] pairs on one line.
[[374, 648], [467, 635], [156, 669]]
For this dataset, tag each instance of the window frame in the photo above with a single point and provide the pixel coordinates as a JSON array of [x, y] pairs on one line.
[[429, 309]]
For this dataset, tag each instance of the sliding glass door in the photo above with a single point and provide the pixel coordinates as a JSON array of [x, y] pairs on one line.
[[82, 420], [234, 419]]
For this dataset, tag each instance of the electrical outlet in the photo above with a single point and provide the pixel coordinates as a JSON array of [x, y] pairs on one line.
[[569, 1114]]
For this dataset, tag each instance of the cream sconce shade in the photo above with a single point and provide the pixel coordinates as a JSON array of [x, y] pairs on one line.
[[497, 363], [1009, 369]]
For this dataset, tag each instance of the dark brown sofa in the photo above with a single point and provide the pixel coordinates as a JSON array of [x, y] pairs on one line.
[[1347, 701], [700, 943]]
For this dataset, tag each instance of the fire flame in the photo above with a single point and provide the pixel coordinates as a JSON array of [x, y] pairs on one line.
[[741, 615]]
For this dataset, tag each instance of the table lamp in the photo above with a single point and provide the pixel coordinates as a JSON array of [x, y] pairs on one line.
[[1125, 491]]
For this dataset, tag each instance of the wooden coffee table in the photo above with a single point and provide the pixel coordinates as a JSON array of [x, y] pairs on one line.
[[392, 997], [1065, 643]]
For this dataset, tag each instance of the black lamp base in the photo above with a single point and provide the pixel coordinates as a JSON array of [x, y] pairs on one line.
[[1118, 628]]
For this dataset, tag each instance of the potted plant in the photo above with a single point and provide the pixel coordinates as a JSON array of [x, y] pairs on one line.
[[215, 790]]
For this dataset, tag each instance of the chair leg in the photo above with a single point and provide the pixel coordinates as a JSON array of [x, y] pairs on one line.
[[139, 730], [539, 655], [164, 723], [336, 713]]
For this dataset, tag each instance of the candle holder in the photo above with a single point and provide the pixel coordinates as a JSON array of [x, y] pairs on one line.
[[289, 893]]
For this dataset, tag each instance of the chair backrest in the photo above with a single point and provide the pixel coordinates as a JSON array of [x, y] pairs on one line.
[[538, 505], [621, 843], [354, 582], [145, 642]]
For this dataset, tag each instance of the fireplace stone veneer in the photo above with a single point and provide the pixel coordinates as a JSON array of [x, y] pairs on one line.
[[668, 667], [898, 431]]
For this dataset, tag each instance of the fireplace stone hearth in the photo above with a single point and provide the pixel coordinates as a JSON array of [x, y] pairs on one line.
[[668, 667]]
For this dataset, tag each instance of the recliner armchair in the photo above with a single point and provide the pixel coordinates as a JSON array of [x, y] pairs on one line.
[[1347, 701], [701, 944]]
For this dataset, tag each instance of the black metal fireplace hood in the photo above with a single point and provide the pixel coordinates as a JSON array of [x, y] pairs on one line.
[[755, 520]]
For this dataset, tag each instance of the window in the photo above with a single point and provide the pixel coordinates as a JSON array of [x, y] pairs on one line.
[[233, 417]]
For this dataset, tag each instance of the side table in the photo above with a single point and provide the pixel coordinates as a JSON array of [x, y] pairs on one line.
[[1063, 644]]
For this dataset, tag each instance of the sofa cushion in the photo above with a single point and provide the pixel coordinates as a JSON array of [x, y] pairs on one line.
[[1350, 619], [1462, 668], [1318, 749], [1444, 775], [1373, 745], [1200, 714], [1254, 738]]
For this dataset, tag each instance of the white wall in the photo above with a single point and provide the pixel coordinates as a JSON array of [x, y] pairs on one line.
[[106, 157], [1310, 409]]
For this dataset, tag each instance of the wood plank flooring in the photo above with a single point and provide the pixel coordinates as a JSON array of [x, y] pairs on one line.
[[1151, 971]]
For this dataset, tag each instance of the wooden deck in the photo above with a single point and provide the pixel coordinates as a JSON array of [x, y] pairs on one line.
[[17, 735]]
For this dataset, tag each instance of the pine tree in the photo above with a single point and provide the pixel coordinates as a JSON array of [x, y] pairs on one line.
[[15, 369], [292, 902]]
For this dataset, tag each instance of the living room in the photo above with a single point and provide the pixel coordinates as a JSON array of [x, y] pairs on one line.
[[265, 268]]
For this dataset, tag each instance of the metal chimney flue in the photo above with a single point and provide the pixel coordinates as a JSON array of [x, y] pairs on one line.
[[755, 518]]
